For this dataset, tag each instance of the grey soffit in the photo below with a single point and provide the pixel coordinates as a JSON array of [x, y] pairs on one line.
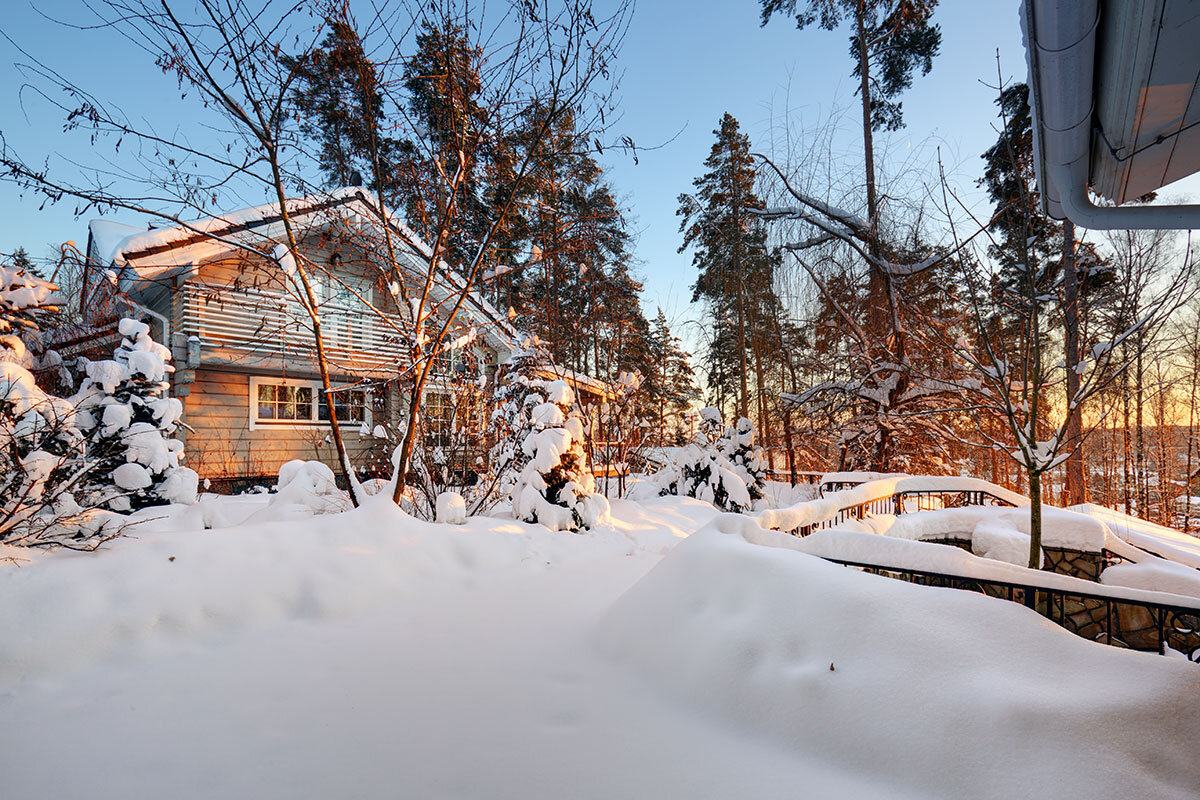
[[1147, 97]]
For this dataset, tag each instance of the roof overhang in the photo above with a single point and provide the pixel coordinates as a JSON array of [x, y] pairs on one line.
[[1116, 106], [146, 258]]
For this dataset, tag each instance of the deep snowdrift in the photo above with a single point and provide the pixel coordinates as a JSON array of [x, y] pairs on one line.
[[931, 690], [367, 654]]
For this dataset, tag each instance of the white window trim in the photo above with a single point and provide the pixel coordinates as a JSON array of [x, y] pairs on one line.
[[252, 405]]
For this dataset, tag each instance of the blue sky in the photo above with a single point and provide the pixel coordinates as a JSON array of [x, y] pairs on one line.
[[685, 64]]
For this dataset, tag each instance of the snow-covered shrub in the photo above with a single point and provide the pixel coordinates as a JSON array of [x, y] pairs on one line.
[[451, 508], [42, 457], [721, 466], [129, 420], [538, 460], [41, 464], [305, 488], [745, 459], [517, 392], [555, 486], [27, 303]]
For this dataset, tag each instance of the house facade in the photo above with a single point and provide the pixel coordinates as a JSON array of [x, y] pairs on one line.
[[243, 344]]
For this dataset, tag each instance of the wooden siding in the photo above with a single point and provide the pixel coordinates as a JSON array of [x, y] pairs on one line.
[[221, 444], [243, 315]]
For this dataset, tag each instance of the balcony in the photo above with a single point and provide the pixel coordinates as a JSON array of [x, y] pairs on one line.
[[254, 327]]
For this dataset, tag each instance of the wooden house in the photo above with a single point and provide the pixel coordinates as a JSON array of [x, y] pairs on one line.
[[243, 342]]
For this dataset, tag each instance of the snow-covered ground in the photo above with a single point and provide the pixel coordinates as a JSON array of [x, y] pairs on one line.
[[367, 654]]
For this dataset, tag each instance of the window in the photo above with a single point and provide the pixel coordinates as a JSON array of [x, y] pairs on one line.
[[287, 401], [439, 419], [284, 402], [349, 405]]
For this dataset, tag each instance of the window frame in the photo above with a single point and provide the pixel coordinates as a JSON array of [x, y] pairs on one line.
[[314, 420]]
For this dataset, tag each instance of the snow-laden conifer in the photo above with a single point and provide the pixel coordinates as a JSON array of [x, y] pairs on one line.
[[130, 420], [721, 465], [540, 447]]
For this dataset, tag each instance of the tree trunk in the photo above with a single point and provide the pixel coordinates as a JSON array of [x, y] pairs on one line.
[[1035, 520], [1191, 438], [1139, 470], [1076, 481], [876, 281], [310, 302]]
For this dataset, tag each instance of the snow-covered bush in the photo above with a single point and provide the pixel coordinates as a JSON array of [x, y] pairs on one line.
[[123, 407], [305, 488], [451, 508], [745, 459], [555, 487], [721, 466], [42, 456], [511, 420], [42, 464], [538, 459]]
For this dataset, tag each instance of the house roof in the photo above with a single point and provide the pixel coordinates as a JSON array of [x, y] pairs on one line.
[[1116, 105], [150, 255]]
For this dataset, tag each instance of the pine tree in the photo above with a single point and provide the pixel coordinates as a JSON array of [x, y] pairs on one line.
[[891, 39], [720, 466], [736, 268], [441, 168], [540, 447], [670, 384], [124, 408], [340, 105], [21, 260]]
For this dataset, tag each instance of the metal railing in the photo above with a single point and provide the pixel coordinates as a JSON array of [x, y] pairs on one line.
[[1121, 622], [927, 500]]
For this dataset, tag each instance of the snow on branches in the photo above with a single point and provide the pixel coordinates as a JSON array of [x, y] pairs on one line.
[[540, 448], [26, 302], [124, 409], [722, 465]]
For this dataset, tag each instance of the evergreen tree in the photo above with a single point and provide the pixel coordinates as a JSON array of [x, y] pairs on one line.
[[704, 468], [341, 109], [539, 450], [736, 269], [130, 420], [890, 40], [440, 167], [21, 260], [670, 383]]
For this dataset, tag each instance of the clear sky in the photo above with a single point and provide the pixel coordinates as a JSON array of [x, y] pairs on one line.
[[685, 64]]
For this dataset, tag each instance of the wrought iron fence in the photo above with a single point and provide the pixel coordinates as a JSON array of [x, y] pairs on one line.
[[1133, 624]]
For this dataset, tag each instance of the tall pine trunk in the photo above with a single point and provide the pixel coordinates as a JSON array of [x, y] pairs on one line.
[[1076, 481]]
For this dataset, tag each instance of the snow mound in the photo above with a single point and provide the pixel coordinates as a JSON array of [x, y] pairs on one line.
[[1060, 528], [306, 488], [1156, 575], [1166, 542], [834, 662], [64, 610], [451, 508]]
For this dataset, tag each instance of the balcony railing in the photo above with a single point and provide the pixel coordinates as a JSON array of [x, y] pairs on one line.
[[242, 323]]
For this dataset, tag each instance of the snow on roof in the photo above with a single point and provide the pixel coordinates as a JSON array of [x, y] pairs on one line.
[[107, 236], [118, 244], [1166, 542], [139, 241]]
